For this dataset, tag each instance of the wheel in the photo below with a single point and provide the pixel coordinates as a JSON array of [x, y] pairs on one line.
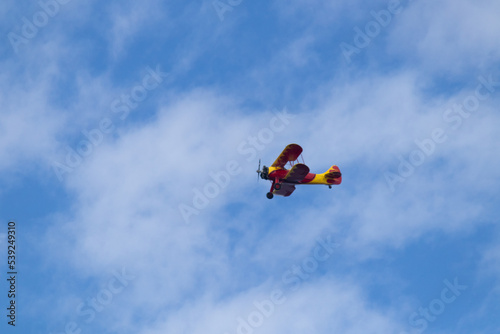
[[269, 195], [277, 186]]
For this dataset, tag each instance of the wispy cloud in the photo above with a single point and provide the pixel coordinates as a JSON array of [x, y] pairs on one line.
[[448, 32]]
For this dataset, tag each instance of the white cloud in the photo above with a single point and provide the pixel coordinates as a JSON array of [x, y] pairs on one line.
[[325, 306], [129, 18], [29, 121], [450, 36]]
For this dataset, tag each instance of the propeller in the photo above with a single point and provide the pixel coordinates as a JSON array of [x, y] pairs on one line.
[[258, 172]]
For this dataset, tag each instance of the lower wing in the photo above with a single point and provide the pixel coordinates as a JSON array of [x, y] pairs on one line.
[[297, 173], [286, 189]]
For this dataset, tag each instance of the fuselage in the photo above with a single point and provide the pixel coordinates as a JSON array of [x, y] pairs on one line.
[[311, 178]]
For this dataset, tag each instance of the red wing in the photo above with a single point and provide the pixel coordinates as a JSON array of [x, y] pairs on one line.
[[290, 153], [297, 173], [285, 190]]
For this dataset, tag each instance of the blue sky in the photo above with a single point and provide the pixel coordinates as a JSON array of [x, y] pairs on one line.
[[131, 132]]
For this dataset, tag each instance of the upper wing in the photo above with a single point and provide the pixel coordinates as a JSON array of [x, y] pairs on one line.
[[290, 153], [297, 173], [285, 190]]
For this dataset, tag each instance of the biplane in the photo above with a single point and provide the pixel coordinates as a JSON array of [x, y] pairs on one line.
[[284, 180]]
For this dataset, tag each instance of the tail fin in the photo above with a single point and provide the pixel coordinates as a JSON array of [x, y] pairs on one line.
[[333, 175]]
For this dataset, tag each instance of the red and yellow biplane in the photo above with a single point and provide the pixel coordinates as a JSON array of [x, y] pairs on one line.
[[284, 180]]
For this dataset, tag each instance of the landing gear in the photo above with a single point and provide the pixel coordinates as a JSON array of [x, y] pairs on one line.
[[276, 185], [330, 186]]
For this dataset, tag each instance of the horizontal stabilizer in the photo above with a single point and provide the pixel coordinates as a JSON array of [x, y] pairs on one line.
[[333, 175]]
